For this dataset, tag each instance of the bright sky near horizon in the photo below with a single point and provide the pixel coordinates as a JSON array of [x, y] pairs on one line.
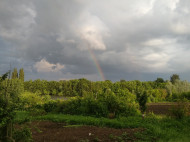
[[96, 39]]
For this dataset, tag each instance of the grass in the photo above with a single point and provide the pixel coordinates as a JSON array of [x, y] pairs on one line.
[[72, 126], [156, 128]]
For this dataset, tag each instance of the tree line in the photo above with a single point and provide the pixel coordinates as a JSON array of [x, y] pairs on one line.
[[157, 91]]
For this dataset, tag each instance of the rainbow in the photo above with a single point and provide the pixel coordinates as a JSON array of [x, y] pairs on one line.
[[97, 64]]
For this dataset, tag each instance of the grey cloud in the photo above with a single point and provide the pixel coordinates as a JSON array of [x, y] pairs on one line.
[[129, 39]]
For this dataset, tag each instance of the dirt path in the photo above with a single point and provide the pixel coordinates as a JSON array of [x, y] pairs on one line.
[[46, 131]]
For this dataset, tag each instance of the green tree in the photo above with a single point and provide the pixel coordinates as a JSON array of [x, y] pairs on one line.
[[174, 78], [14, 73], [9, 91], [159, 80], [21, 74], [83, 86], [142, 101]]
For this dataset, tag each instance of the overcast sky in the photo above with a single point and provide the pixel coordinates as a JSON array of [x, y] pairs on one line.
[[96, 39]]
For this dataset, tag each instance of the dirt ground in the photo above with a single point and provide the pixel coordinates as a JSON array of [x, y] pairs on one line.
[[160, 108], [46, 131], [163, 108]]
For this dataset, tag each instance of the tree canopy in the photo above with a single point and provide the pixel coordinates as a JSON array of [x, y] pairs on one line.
[[174, 78]]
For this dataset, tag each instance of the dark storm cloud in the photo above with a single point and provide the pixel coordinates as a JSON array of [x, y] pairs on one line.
[[130, 39]]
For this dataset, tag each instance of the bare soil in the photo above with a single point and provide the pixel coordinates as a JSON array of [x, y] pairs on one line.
[[46, 131], [162, 108]]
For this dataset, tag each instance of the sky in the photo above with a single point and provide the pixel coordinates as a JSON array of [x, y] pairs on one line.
[[96, 39]]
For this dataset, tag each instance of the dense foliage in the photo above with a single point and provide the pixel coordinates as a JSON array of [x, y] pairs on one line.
[[106, 104], [9, 98], [102, 98], [157, 91]]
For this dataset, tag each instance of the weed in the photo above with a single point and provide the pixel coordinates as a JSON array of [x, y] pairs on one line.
[[181, 109], [85, 140], [23, 135], [96, 139]]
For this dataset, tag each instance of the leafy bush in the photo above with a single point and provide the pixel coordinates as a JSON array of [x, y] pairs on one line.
[[50, 106], [181, 110], [23, 135], [31, 100], [185, 95], [100, 105], [142, 102], [69, 106]]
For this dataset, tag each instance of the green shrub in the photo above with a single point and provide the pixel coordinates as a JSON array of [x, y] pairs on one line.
[[142, 102], [101, 105], [185, 95], [181, 110], [30, 100], [70, 106], [50, 106], [23, 135]]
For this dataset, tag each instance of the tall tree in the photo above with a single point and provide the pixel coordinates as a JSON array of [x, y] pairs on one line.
[[142, 101], [174, 78], [9, 97], [14, 73], [159, 80], [21, 74]]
